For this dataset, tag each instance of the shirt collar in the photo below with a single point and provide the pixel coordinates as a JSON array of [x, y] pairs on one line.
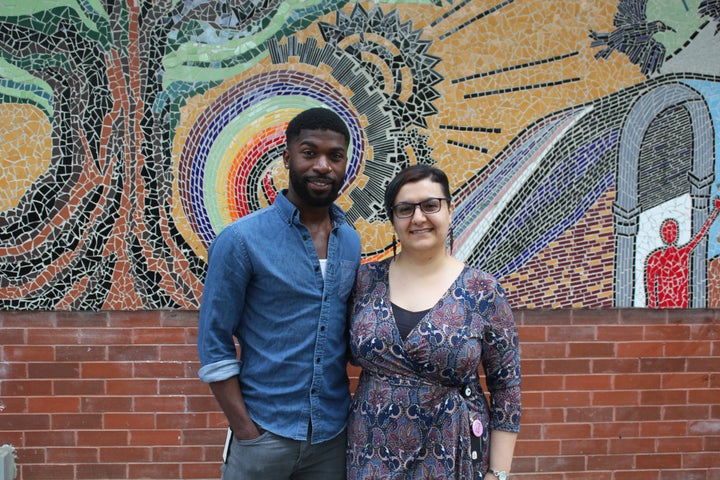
[[291, 214]]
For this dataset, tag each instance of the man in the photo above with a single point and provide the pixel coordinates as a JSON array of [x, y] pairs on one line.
[[279, 280]]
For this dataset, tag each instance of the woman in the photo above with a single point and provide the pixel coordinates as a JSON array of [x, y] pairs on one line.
[[421, 326]]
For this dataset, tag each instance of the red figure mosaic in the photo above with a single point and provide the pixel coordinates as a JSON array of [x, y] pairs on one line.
[[668, 268]]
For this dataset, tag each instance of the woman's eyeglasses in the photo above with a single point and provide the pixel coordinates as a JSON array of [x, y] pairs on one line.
[[428, 206]]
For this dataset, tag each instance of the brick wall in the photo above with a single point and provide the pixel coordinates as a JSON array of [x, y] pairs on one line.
[[608, 395]]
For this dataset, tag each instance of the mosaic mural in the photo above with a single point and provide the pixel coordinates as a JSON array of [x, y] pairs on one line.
[[580, 137]]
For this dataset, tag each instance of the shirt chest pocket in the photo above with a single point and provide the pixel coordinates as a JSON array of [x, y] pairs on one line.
[[346, 278]]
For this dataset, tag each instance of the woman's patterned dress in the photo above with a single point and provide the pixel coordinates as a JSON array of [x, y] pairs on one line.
[[419, 400]]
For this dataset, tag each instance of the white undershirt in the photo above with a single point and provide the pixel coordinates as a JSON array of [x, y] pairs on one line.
[[323, 265]]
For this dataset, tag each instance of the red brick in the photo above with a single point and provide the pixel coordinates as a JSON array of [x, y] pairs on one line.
[[611, 462], [566, 399], [155, 437], [56, 472], [687, 412], [24, 422], [616, 429], [631, 445], [105, 336], [705, 332], [129, 421], [537, 447], [679, 444], [617, 333], [703, 364], [659, 461], [615, 365], [592, 349], [567, 431], [589, 382], [684, 474], [133, 353], [574, 334], [532, 334], [107, 404], [688, 349], [76, 421], [662, 364], [641, 349], [584, 447], [178, 352], [51, 438], [639, 381], [663, 397], [159, 403], [200, 470], [566, 366], [166, 454], [125, 454], [106, 471], [72, 455], [581, 421], [542, 415], [634, 474], [616, 397], [543, 382], [103, 437], [132, 387], [53, 404], [54, 370], [589, 414], [28, 353], [664, 429], [155, 470], [561, 464], [55, 336], [642, 414], [543, 351], [79, 387], [81, 353], [14, 336], [26, 388], [182, 421], [182, 386], [705, 427], [159, 370], [686, 380], [666, 332], [107, 370]]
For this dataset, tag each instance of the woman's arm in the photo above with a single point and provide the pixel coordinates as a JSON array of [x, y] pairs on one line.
[[502, 447]]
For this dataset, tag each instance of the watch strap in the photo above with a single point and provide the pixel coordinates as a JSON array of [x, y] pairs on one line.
[[500, 474]]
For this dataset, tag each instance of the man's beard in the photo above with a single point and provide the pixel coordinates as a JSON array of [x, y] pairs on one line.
[[301, 189]]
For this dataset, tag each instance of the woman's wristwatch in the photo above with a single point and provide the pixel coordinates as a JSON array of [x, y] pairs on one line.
[[501, 475]]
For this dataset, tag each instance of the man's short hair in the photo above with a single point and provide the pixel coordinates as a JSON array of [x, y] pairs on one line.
[[318, 118]]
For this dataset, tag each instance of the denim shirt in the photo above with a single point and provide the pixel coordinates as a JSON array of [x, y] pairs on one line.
[[265, 287]]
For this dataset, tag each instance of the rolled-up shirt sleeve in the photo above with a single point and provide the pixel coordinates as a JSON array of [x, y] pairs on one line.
[[223, 301]]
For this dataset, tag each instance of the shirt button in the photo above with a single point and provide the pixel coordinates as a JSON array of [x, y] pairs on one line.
[[322, 329], [317, 360]]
